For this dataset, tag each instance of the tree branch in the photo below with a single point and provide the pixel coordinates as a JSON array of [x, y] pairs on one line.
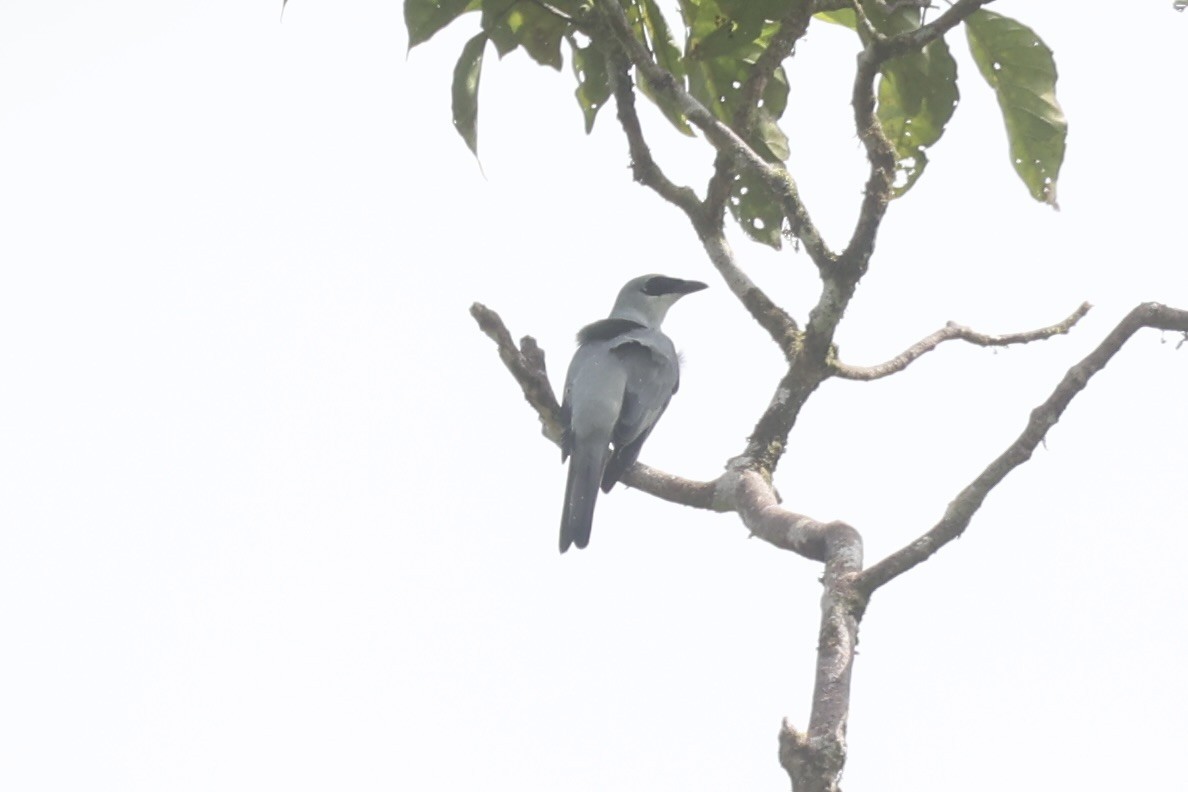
[[753, 497], [719, 188], [950, 332], [527, 366], [792, 28], [959, 513], [707, 223], [739, 489], [643, 167], [771, 317], [814, 761], [879, 151], [721, 136], [674, 489], [926, 34]]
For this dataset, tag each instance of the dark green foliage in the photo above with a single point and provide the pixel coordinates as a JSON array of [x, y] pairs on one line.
[[465, 94], [724, 39], [917, 97], [423, 18], [594, 88]]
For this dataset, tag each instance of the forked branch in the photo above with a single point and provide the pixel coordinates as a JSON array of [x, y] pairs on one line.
[[720, 135], [643, 167], [957, 516], [814, 759], [778, 324], [879, 151]]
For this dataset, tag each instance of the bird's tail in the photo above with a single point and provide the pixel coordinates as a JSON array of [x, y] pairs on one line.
[[581, 491]]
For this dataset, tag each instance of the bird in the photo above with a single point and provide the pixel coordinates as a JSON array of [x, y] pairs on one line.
[[619, 383]]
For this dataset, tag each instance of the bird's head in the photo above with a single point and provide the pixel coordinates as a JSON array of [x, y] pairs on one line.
[[646, 299]]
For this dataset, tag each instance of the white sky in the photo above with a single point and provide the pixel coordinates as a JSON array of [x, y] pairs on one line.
[[273, 516]]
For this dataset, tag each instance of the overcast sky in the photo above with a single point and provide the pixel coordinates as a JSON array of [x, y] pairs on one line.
[[273, 515]]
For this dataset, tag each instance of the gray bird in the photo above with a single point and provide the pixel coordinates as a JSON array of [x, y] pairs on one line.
[[620, 380]]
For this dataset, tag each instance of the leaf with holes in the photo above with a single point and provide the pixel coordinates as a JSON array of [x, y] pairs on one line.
[[1020, 69], [594, 88], [465, 90], [756, 209], [717, 84], [917, 91], [917, 97]]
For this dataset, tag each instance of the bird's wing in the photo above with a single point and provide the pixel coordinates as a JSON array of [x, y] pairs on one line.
[[594, 342], [652, 370]]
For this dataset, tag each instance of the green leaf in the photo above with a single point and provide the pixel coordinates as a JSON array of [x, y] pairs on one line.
[[497, 27], [764, 10], [516, 23], [539, 32], [652, 29], [717, 84], [917, 92], [770, 137], [917, 97], [657, 37], [666, 105], [465, 90], [594, 87], [423, 18], [756, 209], [1020, 69], [715, 34]]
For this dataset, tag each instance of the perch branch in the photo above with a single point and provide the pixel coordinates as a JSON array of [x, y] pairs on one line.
[[813, 760], [527, 367], [674, 489], [950, 332], [740, 489], [961, 510]]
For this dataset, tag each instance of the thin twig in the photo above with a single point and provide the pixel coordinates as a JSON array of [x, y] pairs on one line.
[[643, 167], [951, 332]]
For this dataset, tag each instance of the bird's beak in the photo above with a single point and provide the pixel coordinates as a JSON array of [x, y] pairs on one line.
[[688, 287]]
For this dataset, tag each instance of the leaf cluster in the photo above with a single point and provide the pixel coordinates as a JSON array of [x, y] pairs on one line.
[[716, 48]]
